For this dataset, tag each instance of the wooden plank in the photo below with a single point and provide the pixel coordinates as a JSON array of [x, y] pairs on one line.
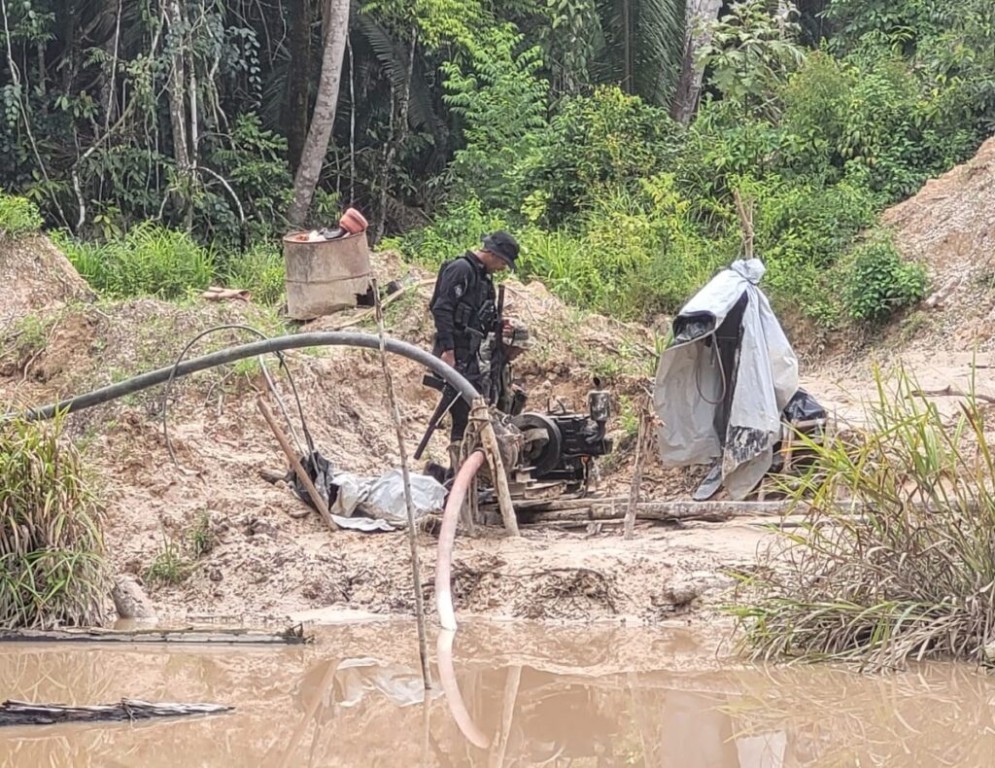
[[238, 636]]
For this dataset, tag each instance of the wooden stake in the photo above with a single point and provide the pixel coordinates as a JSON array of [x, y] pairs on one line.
[[746, 222], [637, 478], [295, 462], [490, 445], [395, 414]]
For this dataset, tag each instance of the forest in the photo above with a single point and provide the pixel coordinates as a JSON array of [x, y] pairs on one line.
[[166, 144]]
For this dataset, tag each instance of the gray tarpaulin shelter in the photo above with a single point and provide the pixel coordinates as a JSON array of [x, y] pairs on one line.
[[724, 380]]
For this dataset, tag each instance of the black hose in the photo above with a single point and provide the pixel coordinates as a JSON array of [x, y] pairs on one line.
[[318, 339], [279, 356]]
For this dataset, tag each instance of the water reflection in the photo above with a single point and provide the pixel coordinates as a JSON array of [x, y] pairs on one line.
[[505, 697]]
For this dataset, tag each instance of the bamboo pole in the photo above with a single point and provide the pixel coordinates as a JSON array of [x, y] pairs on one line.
[[295, 462], [395, 414]]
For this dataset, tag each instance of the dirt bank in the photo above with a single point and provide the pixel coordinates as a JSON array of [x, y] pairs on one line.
[[212, 537]]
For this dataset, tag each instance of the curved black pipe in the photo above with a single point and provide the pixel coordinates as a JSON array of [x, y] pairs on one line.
[[231, 354]]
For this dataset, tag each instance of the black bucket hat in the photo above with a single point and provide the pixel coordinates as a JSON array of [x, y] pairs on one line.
[[502, 245]]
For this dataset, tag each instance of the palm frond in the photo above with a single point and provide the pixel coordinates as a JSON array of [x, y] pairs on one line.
[[644, 43]]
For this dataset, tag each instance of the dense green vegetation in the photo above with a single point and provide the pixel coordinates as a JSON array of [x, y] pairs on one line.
[[179, 125]]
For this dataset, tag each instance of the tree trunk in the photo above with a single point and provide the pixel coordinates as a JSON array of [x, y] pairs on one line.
[[699, 12], [297, 81], [398, 133], [178, 104], [323, 117]]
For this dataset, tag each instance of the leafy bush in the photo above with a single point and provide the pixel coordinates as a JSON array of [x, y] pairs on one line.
[[502, 102], [51, 568], [261, 271], [606, 139], [18, 216], [880, 282], [896, 559], [149, 260], [458, 228], [816, 103], [750, 51]]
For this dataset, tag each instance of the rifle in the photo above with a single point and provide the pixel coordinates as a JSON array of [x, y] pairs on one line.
[[450, 395], [446, 403], [497, 350]]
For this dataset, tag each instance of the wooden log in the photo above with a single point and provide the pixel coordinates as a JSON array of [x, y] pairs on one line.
[[292, 636], [669, 511], [24, 713], [637, 478]]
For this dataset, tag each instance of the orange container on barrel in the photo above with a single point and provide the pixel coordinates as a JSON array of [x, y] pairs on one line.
[[325, 276], [353, 222]]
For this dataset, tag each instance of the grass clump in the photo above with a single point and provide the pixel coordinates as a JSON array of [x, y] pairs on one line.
[[169, 567], [897, 559], [177, 559], [52, 570], [152, 260]]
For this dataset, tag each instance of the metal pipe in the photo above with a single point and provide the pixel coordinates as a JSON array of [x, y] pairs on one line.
[[447, 536], [231, 354]]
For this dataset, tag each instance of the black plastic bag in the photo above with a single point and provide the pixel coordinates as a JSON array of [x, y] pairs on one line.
[[322, 474], [803, 407]]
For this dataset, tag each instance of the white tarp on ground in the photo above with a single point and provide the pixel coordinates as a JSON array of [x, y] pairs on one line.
[[381, 500], [689, 384]]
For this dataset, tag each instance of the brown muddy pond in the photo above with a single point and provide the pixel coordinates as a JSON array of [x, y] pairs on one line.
[[512, 696]]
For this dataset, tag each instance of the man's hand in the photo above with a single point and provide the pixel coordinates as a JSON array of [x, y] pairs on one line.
[[449, 357]]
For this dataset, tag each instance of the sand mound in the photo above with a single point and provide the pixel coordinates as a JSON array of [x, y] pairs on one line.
[[950, 227], [35, 276]]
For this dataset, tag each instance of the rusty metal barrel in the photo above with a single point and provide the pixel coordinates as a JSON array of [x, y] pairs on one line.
[[325, 276]]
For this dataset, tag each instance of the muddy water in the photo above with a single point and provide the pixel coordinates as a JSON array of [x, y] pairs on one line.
[[515, 697]]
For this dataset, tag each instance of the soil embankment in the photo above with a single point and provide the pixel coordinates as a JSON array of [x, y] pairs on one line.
[[210, 536]]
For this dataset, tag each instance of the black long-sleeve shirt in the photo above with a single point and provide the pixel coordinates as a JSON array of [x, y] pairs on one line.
[[463, 280]]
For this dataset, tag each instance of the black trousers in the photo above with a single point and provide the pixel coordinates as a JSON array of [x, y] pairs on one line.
[[459, 416], [727, 338]]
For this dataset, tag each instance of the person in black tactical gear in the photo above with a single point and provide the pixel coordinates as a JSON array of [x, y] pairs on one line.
[[464, 308]]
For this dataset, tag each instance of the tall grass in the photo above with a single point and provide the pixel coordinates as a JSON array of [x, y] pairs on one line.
[[52, 570], [149, 260], [897, 560], [152, 260]]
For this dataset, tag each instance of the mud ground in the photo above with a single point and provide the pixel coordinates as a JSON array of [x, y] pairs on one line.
[[208, 536]]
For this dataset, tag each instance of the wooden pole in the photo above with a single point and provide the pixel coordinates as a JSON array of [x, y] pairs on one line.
[[395, 414], [637, 478], [295, 462], [491, 449]]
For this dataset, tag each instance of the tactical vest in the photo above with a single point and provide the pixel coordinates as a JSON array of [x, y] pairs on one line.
[[476, 309]]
